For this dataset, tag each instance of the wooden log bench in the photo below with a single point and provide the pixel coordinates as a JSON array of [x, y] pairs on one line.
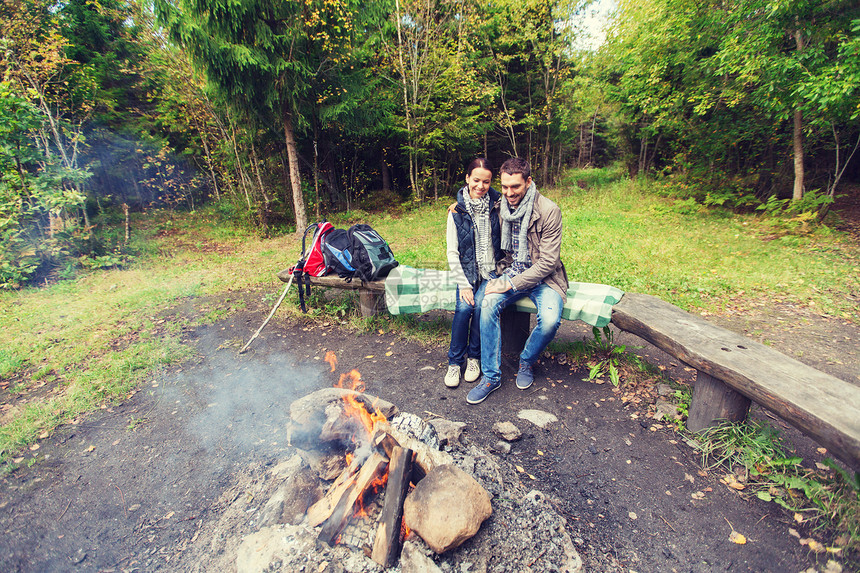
[[733, 370], [371, 295]]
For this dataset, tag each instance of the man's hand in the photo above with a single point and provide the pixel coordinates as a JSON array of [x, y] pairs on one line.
[[452, 207], [499, 285], [468, 296]]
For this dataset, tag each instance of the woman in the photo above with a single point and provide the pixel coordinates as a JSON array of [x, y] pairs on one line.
[[474, 240]]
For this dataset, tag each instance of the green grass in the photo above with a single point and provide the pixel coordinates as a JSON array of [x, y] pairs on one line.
[[620, 234], [752, 454]]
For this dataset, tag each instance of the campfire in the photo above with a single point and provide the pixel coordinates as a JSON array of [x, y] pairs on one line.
[[375, 464]]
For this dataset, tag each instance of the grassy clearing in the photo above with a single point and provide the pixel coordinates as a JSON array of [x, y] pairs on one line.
[[620, 233], [68, 348]]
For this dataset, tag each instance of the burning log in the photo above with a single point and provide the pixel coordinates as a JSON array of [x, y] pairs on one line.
[[370, 471], [322, 510], [386, 546], [383, 441]]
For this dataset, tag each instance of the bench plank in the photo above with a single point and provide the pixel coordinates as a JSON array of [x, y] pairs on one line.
[[820, 405]]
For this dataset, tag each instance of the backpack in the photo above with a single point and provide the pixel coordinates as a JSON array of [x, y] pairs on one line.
[[315, 264], [336, 252], [371, 257]]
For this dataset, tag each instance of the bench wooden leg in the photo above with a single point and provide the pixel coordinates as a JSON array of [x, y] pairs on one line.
[[713, 400], [371, 302], [515, 327]]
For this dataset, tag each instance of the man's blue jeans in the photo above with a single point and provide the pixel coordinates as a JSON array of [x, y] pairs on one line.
[[465, 331], [549, 306]]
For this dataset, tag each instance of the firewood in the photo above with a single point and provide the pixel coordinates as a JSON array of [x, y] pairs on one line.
[[386, 546], [321, 510], [373, 467], [384, 441]]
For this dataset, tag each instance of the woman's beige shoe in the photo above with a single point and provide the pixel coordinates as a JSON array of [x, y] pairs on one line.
[[473, 370], [452, 377]]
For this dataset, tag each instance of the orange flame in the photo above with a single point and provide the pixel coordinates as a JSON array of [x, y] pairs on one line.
[[331, 358], [374, 487], [404, 530], [357, 409], [351, 380]]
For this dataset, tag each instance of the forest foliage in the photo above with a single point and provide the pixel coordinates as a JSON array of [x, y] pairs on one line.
[[281, 111]]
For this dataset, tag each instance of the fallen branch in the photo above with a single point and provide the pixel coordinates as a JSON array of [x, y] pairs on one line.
[[271, 314]]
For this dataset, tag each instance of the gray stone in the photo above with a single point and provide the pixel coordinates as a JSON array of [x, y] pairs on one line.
[[502, 447], [298, 490], [446, 508], [665, 390], [666, 409], [539, 418], [413, 559], [507, 431], [310, 413], [449, 432]]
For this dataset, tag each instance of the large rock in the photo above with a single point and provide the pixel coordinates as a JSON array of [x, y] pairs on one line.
[[507, 431], [446, 508], [298, 489], [309, 414], [449, 432]]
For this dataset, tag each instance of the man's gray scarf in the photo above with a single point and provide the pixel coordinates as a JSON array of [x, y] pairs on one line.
[[479, 211], [523, 214]]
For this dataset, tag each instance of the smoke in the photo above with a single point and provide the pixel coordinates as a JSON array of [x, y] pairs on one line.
[[238, 406]]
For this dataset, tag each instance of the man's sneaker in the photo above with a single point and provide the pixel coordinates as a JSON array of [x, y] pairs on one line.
[[480, 392], [525, 376], [452, 377], [473, 370]]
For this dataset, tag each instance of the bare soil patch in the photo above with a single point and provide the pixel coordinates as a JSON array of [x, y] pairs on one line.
[[143, 485]]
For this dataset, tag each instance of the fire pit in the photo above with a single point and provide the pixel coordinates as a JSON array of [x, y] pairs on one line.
[[466, 509], [360, 465]]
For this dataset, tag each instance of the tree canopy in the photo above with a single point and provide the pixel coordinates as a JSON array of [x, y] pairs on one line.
[[272, 109]]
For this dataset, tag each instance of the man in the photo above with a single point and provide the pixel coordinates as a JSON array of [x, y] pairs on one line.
[[531, 238]]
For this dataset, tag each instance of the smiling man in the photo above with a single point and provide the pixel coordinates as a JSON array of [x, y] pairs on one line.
[[531, 239]]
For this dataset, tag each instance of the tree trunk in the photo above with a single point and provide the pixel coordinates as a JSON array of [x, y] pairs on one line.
[[264, 214], [239, 168], [209, 164], [295, 176], [386, 174], [797, 138]]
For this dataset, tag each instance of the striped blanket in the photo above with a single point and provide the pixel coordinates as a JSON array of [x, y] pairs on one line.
[[410, 291]]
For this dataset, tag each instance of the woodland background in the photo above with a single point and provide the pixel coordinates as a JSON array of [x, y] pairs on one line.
[[268, 113]]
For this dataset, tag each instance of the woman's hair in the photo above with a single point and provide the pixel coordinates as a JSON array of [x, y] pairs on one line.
[[481, 162]]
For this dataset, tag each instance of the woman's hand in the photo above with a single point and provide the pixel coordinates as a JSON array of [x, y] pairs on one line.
[[467, 296], [452, 207]]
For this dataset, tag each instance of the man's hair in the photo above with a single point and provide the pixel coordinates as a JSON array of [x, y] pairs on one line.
[[481, 162], [516, 165]]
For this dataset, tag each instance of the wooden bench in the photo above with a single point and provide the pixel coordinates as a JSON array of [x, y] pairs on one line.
[[371, 295], [732, 370]]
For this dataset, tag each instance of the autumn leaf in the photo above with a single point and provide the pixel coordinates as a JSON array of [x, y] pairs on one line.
[[389, 353], [736, 537], [520, 469]]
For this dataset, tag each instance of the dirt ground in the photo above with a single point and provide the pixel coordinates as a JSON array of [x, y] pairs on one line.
[[132, 487]]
